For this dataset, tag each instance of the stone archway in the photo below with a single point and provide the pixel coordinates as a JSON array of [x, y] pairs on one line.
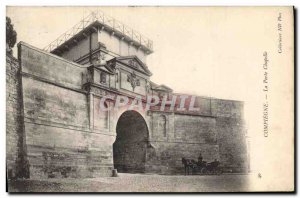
[[129, 149]]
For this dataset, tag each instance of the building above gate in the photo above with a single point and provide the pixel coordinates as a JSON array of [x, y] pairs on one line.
[[100, 37]]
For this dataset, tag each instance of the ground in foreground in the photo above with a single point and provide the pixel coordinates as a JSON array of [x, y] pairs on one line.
[[136, 183]]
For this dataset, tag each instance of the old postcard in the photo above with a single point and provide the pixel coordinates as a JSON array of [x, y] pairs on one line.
[[150, 99]]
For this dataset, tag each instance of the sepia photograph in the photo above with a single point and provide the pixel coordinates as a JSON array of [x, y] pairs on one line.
[[138, 99]]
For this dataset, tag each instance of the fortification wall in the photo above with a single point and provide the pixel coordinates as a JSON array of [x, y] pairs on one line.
[[59, 139], [217, 131]]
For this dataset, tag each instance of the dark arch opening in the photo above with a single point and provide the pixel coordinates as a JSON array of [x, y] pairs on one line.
[[129, 149]]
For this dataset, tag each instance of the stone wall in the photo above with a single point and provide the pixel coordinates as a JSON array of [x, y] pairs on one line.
[[231, 134], [186, 136], [15, 153], [217, 131], [60, 137]]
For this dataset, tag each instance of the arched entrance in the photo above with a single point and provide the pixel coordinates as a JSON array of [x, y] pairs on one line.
[[129, 149]]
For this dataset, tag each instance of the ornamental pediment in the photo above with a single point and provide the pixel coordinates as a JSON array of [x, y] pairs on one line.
[[135, 63]]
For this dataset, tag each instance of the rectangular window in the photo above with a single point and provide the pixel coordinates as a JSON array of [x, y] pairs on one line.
[[103, 78]]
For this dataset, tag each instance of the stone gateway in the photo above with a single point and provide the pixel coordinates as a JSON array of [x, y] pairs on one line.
[[56, 128]]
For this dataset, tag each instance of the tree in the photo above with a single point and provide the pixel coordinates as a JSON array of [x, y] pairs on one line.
[[11, 35]]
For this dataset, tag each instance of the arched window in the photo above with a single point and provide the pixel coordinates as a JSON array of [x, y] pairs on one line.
[[162, 125]]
